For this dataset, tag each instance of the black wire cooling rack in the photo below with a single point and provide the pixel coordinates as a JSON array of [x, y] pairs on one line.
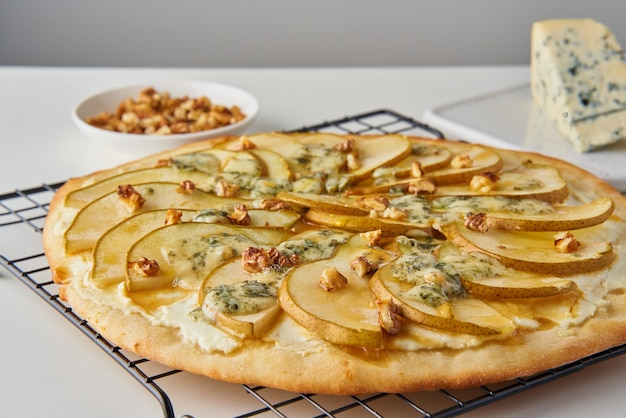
[[25, 210]]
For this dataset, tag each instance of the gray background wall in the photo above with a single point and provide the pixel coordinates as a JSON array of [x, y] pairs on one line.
[[280, 33]]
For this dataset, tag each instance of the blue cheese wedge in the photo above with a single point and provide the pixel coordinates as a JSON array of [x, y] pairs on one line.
[[578, 77]]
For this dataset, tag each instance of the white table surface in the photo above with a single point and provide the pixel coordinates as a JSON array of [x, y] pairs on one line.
[[47, 366]]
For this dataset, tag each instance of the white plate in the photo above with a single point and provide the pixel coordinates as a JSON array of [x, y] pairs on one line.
[[510, 119], [139, 144]]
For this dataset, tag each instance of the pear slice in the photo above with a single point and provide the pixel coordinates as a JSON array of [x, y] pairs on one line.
[[429, 157], [187, 252], [518, 288], [276, 167], [103, 213], [80, 197], [249, 325], [230, 274], [326, 203], [564, 218], [534, 251], [483, 159], [109, 252], [531, 181], [344, 316], [360, 223], [468, 316], [378, 152]]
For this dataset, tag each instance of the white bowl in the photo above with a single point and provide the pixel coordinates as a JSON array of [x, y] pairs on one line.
[[144, 144]]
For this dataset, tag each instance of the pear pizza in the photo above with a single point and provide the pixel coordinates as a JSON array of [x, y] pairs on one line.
[[345, 264]]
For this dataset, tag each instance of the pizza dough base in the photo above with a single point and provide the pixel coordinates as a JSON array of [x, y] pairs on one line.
[[348, 371]]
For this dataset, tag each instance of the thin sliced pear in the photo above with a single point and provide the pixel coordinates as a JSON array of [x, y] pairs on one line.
[[345, 316], [518, 288], [469, 316], [484, 159], [387, 226], [232, 272], [326, 203], [279, 143], [534, 251], [429, 156], [379, 152], [109, 253], [80, 197], [187, 252], [238, 162], [276, 167], [538, 182], [563, 219], [250, 325], [103, 213]]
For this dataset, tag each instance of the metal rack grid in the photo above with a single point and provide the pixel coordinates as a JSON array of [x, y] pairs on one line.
[[27, 208]]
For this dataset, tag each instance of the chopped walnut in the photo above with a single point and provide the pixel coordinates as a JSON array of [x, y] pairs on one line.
[[240, 215], [416, 169], [144, 267], [173, 216], [362, 266], [347, 146], [158, 113], [376, 202], [394, 213], [461, 161], [565, 242], [420, 186], [129, 197], [476, 222], [332, 280], [353, 162], [224, 189], [484, 182], [255, 260], [164, 162], [372, 237], [244, 144], [274, 204], [186, 187], [388, 316]]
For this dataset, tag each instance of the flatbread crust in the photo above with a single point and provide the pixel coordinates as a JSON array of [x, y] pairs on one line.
[[332, 369]]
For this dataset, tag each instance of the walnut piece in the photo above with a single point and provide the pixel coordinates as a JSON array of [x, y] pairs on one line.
[[416, 170], [129, 197], [372, 237], [484, 182], [144, 267], [420, 186], [565, 242], [273, 204], [224, 189], [255, 260], [377, 203], [388, 316], [186, 187], [240, 215], [461, 161], [362, 266], [332, 280], [173, 216], [476, 222], [158, 113]]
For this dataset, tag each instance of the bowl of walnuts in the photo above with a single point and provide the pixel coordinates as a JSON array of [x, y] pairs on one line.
[[153, 117]]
